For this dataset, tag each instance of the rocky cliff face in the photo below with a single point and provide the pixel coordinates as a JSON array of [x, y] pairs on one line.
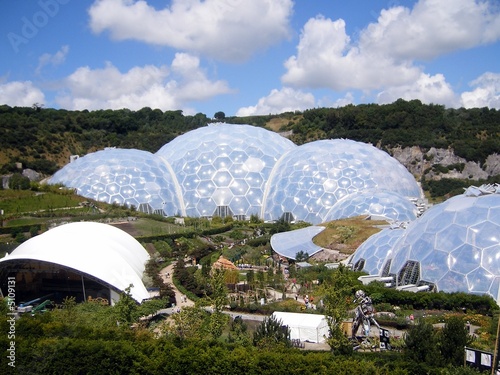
[[443, 163]]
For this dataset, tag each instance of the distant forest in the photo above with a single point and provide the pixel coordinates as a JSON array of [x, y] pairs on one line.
[[44, 138]]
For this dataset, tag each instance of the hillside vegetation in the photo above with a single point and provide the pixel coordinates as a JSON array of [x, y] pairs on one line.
[[41, 135]]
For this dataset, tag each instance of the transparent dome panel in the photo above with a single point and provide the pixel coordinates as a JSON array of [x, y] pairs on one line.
[[232, 159], [130, 177], [323, 172]]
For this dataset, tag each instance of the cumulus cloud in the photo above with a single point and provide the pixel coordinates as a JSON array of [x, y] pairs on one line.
[[432, 28], [279, 101], [56, 59], [386, 55], [326, 58], [429, 89], [162, 87], [20, 94], [229, 30], [486, 92]]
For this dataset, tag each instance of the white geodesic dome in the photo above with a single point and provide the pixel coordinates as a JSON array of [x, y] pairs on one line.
[[454, 246], [382, 204], [125, 177], [223, 169], [371, 255], [310, 179], [242, 170]]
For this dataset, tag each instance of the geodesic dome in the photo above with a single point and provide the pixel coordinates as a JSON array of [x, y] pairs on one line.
[[125, 177], [454, 246], [384, 204], [241, 170], [372, 254], [223, 169], [310, 179]]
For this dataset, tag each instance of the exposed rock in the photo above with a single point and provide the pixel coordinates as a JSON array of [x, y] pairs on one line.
[[31, 174], [492, 165], [419, 163]]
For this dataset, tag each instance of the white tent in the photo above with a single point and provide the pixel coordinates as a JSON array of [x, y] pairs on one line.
[[305, 327]]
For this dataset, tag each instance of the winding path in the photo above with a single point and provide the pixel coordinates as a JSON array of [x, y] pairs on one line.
[[180, 299]]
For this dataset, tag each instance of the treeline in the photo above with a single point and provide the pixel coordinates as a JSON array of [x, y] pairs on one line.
[[472, 133], [46, 137]]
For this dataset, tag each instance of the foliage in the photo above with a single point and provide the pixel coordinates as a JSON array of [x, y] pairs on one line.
[[422, 345], [218, 300], [481, 304], [336, 291], [190, 323], [271, 333], [301, 256], [126, 307], [453, 338], [19, 182], [219, 115], [280, 226]]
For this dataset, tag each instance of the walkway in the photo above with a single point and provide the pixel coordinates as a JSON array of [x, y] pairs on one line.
[[180, 299]]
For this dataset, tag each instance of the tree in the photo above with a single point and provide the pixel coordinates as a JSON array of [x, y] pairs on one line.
[[301, 256], [336, 292], [190, 323], [454, 337], [271, 333], [217, 299], [421, 344], [219, 115], [19, 182], [126, 307]]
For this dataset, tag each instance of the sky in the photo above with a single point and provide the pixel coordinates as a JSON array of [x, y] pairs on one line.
[[248, 57]]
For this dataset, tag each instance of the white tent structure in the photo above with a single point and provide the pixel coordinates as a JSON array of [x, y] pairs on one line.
[[95, 251], [304, 327]]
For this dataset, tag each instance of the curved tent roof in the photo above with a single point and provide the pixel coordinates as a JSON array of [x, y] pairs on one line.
[[288, 244], [99, 250]]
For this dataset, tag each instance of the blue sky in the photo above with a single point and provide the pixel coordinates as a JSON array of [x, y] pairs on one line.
[[248, 57]]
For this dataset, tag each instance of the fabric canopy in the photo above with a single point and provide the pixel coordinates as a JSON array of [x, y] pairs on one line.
[[304, 327]]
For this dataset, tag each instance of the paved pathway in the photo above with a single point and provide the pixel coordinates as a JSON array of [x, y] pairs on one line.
[[166, 275]]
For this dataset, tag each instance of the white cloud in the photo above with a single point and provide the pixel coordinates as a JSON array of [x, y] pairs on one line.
[[20, 94], [384, 57], [485, 94], [56, 59], [326, 58], [149, 86], [340, 102], [230, 30], [428, 89], [279, 101], [432, 28]]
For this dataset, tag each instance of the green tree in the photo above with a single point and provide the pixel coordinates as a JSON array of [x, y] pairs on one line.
[[422, 345], [19, 182], [454, 337], [126, 307], [272, 333], [190, 323], [301, 256], [219, 115], [250, 278], [218, 300], [336, 291]]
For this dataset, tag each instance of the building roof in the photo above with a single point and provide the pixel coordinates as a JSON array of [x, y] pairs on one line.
[[288, 244], [223, 263], [99, 250]]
